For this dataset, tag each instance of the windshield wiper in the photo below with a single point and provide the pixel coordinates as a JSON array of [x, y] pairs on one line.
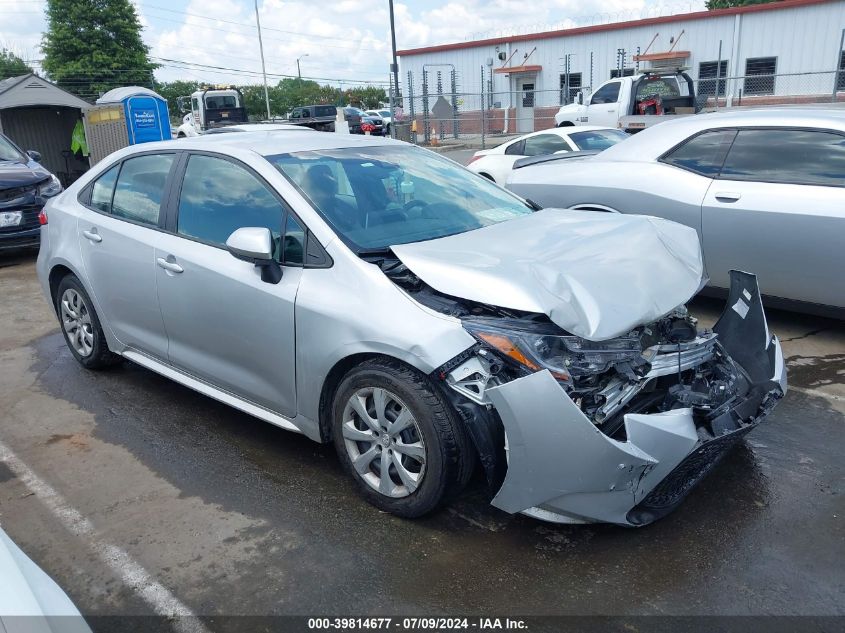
[[532, 205]]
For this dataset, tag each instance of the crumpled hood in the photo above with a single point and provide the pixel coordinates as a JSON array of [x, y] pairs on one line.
[[14, 174], [596, 275]]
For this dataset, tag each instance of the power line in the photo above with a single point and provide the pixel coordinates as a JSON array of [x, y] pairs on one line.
[[242, 70]]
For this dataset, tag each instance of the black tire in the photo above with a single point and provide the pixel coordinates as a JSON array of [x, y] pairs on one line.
[[100, 355], [449, 460], [566, 124]]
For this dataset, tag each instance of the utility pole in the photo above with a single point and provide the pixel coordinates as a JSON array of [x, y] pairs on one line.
[[299, 72], [394, 67], [263, 69]]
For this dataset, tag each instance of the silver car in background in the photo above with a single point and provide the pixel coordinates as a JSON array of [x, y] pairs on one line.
[[764, 189], [369, 293]]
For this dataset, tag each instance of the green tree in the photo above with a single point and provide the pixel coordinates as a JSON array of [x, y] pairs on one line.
[[92, 46], [11, 65], [727, 4]]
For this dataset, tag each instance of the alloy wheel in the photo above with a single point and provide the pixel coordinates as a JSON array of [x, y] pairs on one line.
[[384, 442], [76, 321]]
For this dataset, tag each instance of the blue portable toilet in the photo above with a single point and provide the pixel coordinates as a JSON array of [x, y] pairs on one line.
[[145, 113]]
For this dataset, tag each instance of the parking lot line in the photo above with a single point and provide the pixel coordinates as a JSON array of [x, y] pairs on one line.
[[132, 574]]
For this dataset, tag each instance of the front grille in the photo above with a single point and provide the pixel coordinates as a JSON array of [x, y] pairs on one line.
[[16, 192], [28, 221], [677, 484]]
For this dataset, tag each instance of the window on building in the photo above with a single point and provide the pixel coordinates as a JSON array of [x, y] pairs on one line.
[[625, 72], [569, 87], [840, 79], [707, 72], [760, 75]]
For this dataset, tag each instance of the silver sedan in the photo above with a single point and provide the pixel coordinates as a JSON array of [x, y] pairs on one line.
[[764, 189], [369, 293]]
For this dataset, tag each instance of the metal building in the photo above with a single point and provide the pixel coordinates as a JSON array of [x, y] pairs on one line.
[[39, 115], [780, 52]]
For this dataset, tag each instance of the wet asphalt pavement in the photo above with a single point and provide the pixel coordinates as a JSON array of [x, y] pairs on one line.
[[234, 516]]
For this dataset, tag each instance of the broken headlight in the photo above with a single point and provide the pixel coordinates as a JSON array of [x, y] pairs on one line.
[[564, 356]]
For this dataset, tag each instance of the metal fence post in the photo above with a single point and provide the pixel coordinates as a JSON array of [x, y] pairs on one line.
[[838, 65], [426, 120], [483, 111], [455, 120], [718, 74], [411, 107]]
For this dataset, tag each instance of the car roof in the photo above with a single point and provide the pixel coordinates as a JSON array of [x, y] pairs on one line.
[[269, 143], [654, 141]]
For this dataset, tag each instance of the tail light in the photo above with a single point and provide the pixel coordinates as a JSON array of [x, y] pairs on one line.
[[42, 217], [474, 158]]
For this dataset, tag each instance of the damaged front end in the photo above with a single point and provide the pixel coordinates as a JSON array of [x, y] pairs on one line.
[[618, 430]]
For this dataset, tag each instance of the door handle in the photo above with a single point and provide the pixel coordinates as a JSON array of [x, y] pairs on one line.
[[93, 235], [172, 267], [727, 196]]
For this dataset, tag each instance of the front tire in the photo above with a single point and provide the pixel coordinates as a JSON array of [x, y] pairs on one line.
[[399, 438], [81, 327]]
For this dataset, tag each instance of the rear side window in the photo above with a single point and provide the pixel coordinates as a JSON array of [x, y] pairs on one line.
[[103, 189], [805, 157], [702, 154], [543, 144], [218, 197], [140, 188], [515, 149], [325, 110]]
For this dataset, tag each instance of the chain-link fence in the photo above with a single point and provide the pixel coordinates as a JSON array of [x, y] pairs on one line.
[[435, 111]]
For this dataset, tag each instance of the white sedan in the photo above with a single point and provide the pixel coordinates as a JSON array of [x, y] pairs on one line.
[[496, 163]]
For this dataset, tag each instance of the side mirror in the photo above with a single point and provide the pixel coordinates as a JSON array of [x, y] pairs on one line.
[[255, 245], [579, 98], [184, 104], [251, 243], [36, 156]]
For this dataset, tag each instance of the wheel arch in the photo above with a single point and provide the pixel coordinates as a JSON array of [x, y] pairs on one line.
[[487, 176], [566, 124]]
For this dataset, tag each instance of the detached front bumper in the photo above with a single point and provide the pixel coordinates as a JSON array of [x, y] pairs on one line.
[[562, 468]]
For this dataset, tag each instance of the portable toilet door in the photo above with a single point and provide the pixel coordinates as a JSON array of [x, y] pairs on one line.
[[147, 119]]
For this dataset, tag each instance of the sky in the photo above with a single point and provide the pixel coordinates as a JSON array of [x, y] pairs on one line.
[[341, 40]]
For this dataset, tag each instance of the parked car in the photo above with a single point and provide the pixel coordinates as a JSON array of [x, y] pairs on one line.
[[376, 122], [496, 163], [764, 189], [369, 293], [30, 600], [385, 116], [24, 187]]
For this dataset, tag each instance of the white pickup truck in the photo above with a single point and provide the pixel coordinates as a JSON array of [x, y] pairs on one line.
[[632, 103], [211, 108]]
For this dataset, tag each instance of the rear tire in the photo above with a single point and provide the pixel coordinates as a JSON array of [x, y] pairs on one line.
[[387, 416], [81, 327]]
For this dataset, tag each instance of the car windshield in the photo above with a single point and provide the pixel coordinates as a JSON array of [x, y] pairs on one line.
[[597, 139], [9, 152], [384, 112], [376, 197]]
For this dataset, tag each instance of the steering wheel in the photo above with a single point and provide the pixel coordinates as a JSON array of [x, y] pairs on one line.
[[413, 203]]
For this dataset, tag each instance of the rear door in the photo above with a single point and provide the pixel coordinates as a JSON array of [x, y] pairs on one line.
[[119, 222], [777, 209], [225, 325]]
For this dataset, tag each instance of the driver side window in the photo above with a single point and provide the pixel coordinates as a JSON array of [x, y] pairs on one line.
[[609, 93], [219, 197]]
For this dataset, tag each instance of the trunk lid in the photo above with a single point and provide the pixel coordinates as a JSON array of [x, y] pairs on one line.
[[596, 275]]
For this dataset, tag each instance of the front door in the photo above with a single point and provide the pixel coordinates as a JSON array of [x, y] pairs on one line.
[[603, 108], [117, 246], [525, 104], [225, 325]]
